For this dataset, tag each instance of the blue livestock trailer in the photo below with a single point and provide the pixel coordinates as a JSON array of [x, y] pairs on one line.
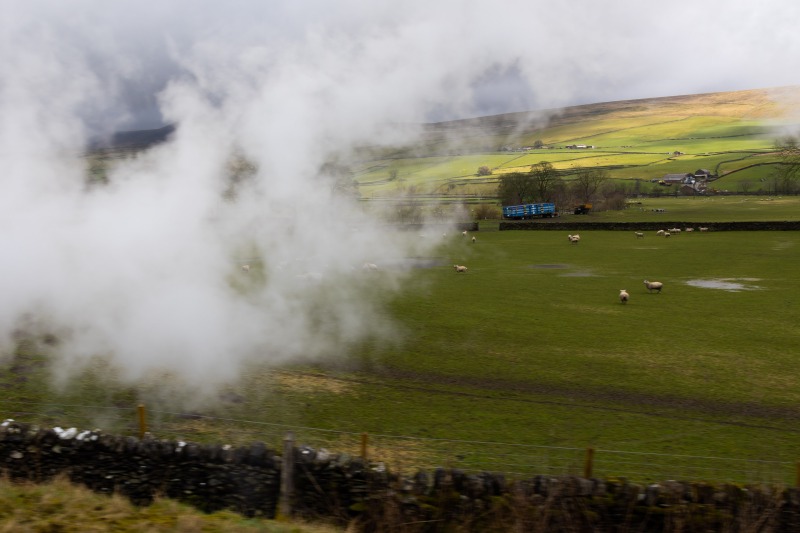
[[524, 211]]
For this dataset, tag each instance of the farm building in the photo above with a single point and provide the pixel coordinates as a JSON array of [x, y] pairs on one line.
[[693, 189], [677, 179], [703, 174]]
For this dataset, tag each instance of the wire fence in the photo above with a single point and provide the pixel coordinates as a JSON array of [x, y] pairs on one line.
[[408, 455]]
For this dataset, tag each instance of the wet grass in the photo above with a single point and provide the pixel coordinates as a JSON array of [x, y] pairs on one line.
[[66, 508]]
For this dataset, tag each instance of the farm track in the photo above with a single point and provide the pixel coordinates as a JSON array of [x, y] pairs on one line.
[[661, 406]]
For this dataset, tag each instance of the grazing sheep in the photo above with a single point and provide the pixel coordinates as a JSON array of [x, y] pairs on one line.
[[370, 266], [674, 230], [667, 234], [660, 232], [623, 296], [703, 229], [574, 239], [474, 240], [687, 230], [460, 268], [464, 233], [653, 286], [245, 268], [639, 234]]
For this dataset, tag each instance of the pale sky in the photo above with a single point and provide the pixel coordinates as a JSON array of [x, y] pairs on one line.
[[443, 59]]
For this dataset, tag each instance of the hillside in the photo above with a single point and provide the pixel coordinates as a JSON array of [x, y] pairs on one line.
[[728, 133]]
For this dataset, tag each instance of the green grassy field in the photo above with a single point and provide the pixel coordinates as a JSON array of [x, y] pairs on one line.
[[530, 347], [701, 209]]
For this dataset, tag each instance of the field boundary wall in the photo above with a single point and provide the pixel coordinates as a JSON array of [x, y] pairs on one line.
[[648, 226], [344, 489]]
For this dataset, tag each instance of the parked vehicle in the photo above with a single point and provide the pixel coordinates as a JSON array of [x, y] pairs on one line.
[[582, 209], [526, 211]]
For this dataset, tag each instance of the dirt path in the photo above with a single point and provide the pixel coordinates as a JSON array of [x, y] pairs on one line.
[[662, 406]]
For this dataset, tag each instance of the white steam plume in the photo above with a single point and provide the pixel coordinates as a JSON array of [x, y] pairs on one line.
[[146, 267]]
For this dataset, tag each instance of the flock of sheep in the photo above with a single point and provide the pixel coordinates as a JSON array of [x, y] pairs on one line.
[[671, 231], [624, 296], [651, 286]]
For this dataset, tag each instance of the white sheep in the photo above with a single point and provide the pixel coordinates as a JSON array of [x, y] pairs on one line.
[[464, 233], [623, 296], [660, 232], [667, 234], [688, 230], [574, 239], [639, 234], [653, 286], [474, 239], [703, 229], [245, 268], [460, 268]]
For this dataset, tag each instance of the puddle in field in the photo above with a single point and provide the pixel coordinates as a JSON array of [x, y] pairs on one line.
[[725, 284], [578, 274]]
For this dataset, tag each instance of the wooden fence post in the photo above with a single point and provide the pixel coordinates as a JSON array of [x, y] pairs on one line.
[[142, 421], [287, 477], [797, 476], [589, 464], [364, 442]]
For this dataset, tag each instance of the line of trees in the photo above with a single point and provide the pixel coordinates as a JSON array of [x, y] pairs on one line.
[[544, 183]]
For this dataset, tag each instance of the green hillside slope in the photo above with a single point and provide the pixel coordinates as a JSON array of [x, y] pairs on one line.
[[731, 134]]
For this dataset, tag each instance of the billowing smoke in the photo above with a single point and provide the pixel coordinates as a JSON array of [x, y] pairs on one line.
[[146, 268]]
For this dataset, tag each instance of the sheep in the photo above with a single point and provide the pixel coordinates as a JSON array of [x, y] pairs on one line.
[[667, 234], [464, 233], [370, 266], [639, 234], [703, 229], [623, 296], [653, 286], [245, 268], [574, 239], [474, 240], [460, 268], [660, 232], [688, 230], [674, 230]]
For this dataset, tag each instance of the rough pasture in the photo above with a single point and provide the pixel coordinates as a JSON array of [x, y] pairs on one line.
[[534, 347]]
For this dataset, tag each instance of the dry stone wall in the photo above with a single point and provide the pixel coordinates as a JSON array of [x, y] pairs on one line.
[[367, 496], [648, 226]]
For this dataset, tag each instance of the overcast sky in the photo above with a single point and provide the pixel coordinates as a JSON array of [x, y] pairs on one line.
[[439, 60], [146, 269]]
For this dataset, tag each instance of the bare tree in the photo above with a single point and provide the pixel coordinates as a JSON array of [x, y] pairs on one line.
[[745, 186], [587, 183], [515, 188], [545, 179], [787, 172], [613, 196]]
